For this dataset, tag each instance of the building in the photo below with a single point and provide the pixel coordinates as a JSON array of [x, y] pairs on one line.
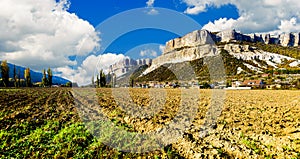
[[254, 83], [236, 84]]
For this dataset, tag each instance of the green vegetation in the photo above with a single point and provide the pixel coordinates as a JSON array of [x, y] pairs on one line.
[[160, 74], [43, 123], [5, 73], [27, 77], [251, 144], [101, 79], [167, 71], [47, 78], [50, 75]]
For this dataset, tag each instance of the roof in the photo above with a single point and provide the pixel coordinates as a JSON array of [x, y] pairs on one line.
[[252, 82]]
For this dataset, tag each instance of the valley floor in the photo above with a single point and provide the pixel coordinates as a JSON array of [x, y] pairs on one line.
[[62, 122]]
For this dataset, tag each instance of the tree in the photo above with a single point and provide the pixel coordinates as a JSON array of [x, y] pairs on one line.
[[102, 79], [15, 76], [19, 78], [50, 75], [44, 79], [69, 84], [27, 77], [108, 78], [132, 82], [5, 73], [113, 80], [97, 81], [93, 81]]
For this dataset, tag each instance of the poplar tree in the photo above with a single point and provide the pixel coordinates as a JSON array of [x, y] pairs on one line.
[[27, 77], [44, 79], [5, 73], [50, 75], [102, 79], [15, 76]]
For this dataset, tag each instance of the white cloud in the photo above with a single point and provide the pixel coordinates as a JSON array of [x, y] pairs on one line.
[[150, 3], [150, 6], [41, 34], [219, 25], [254, 16], [162, 48], [195, 10], [289, 25], [148, 53], [92, 64], [199, 6]]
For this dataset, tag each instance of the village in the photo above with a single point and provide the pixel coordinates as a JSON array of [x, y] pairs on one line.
[[260, 81]]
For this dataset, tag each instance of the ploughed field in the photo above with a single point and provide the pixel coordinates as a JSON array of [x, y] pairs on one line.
[[70, 123]]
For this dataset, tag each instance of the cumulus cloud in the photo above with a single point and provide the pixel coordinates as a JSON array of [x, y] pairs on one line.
[[89, 67], [219, 25], [148, 53], [150, 3], [254, 16], [41, 34], [150, 6], [195, 10], [289, 25], [199, 6]]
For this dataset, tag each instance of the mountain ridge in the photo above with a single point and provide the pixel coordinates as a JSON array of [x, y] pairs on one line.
[[35, 76], [254, 53]]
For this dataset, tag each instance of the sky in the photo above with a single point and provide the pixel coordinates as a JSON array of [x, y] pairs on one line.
[[76, 38]]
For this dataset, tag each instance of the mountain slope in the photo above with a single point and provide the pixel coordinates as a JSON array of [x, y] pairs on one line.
[[240, 55], [35, 76]]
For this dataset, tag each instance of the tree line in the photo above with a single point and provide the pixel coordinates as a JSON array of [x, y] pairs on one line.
[[16, 80], [104, 80]]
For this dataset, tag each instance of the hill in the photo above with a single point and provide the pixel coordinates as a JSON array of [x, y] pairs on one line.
[[35, 76], [242, 55]]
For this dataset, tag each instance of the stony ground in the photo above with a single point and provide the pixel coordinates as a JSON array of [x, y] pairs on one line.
[[253, 124], [68, 123]]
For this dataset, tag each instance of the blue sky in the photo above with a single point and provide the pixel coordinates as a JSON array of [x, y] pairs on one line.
[[96, 12]]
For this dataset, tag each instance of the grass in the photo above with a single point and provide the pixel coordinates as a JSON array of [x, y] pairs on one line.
[[251, 144]]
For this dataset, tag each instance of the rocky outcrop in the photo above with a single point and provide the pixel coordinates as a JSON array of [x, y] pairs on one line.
[[238, 48], [192, 46], [193, 39], [230, 35], [125, 65], [187, 54], [201, 43], [289, 39], [297, 39], [285, 39]]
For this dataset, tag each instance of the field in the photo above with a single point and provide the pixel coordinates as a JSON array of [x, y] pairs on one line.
[[65, 123]]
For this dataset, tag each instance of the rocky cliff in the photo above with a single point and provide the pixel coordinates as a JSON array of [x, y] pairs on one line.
[[192, 46], [202, 43], [284, 39], [124, 66]]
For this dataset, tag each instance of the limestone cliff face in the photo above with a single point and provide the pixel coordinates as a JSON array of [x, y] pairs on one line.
[[200, 43], [193, 39], [285, 39], [127, 64], [192, 46]]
